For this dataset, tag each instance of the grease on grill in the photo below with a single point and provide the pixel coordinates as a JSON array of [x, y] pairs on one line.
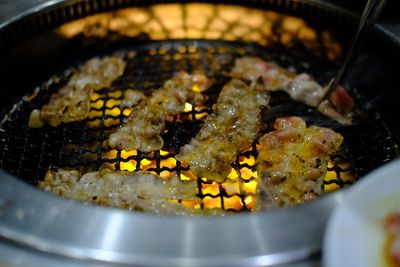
[[29, 153]]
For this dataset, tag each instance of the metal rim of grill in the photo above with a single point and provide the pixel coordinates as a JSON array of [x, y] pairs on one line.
[[23, 207]]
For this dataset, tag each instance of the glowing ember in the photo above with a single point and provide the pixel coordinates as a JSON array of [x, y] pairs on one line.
[[234, 202], [233, 175], [128, 166], [167, 174], [126, 112], [188, 107], [111, 109], [191, 203], [249, 200], [94, 97], [247, 173], [211, 203], [250, 187], [346, 176], [212, 189], [187, 176], [126, 154], [169, 163], [163, 153], [115, 94], [201, 116], [249, 161]]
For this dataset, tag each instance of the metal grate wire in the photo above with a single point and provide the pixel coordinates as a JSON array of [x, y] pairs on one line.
[[29, 153]]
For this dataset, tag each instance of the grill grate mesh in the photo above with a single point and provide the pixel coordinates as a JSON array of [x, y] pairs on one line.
[[29, 153]]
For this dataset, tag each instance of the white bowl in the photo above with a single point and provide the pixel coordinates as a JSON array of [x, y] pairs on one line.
[[354, 235]]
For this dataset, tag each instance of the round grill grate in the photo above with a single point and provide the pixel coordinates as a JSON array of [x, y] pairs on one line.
[[29, 153]]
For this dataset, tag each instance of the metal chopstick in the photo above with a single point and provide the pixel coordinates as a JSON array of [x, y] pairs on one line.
[[370, 14]]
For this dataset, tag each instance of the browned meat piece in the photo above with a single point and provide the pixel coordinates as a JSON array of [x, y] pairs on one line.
[[128, 190], [292, 162], [230, 129], [72, 102], [141, 130], [300, 87]]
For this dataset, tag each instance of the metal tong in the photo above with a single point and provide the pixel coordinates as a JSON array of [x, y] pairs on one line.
[[370, 14]]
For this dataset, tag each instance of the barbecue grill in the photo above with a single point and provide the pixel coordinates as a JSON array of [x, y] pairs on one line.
[[158, 40]]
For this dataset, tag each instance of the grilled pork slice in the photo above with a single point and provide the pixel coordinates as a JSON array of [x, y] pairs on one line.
[[128, 190], [72, 102], [230, 129], [300, 87], [292, 162], [142, 129]]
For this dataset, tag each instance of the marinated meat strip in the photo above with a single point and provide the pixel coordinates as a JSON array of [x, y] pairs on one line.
[[292, 162], [72, 102], [142, 129], [230, 129], [392, 227], [128, 190], [300, 87]]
